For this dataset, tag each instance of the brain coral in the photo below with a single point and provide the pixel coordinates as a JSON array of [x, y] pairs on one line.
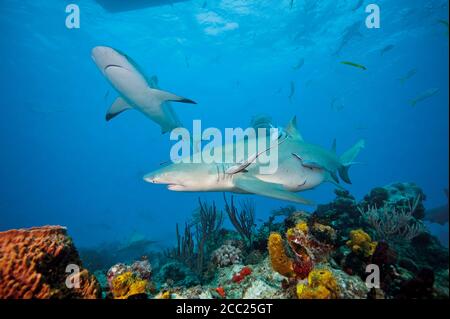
[[33, 265]]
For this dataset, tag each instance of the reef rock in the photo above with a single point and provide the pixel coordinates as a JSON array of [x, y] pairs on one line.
[[33, 265]]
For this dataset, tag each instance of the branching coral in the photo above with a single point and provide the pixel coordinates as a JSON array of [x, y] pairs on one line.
[[391, 223], [242, 221], [321, 285], [361, 243], [192, 248], [33, 265]]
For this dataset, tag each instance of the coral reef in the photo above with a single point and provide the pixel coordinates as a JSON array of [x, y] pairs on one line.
[[281, 263], [130, 281], [33, 265], [360, 243], [321, 285], [226, 255], [125, 285], [241, 275], [326, 254]]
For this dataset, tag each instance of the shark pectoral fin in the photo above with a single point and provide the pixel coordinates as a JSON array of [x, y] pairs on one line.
[[256, 186], [163, 96], [309, 164], [119, 106]]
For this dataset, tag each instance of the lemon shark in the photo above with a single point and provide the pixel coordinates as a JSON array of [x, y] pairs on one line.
[[136, 91], [301, 166]]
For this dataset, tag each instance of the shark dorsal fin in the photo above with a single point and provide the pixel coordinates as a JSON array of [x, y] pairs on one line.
[[333, 146], [291, 129]]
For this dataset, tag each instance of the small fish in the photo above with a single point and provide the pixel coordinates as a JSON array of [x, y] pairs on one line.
[[358, 5], [205, 3], [407, 76], [336, 106], [291, 4], [387, 48], [349, 34], [360, 127], [186, 60], [299, 64], [292, 92], [356, 65], [423, 96], [445, 23]]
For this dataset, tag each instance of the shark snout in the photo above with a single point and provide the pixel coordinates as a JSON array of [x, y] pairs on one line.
[[151, 178]]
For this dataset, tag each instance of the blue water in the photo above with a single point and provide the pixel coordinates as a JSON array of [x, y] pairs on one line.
[[62, 163]]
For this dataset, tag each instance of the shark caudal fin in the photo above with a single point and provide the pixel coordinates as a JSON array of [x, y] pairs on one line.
[[347, 159]]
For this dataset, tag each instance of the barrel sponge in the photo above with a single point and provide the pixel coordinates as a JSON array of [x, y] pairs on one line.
[[33, 265], [281, 263]]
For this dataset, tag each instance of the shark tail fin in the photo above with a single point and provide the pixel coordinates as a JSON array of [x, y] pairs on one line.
[[347, 160]]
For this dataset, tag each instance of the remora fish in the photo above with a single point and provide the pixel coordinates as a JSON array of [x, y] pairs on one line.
[[356, 65], [301, 166], [135, 89], [423, 96], [438, 215]]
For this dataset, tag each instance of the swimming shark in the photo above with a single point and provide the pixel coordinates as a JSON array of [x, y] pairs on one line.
[[136, 91], [301, 166], [438, 215]]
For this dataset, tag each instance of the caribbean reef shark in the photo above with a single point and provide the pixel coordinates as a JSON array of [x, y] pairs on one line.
[[301, 166], [438, 215], [136, 91]]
